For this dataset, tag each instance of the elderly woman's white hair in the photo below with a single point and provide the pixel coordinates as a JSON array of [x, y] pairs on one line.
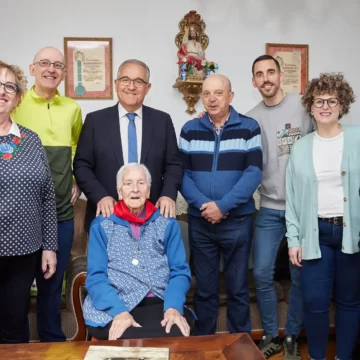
[[120, 174]]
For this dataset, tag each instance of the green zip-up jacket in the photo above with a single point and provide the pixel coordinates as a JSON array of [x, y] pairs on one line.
[[302, 195], [58, 123]]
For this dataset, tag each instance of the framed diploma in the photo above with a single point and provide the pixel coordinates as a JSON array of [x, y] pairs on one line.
[[294, 62], [88, 68]]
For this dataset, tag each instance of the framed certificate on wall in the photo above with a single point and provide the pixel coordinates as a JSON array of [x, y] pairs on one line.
[[294, 62], [88, 68]]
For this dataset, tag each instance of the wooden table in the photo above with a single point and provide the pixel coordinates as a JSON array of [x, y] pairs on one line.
[[215, 347]]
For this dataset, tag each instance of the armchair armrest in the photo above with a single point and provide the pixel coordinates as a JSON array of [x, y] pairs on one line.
[[76, 276]]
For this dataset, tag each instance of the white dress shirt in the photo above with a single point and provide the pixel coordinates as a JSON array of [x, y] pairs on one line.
[[327, 155], [124, 123], [14, 130]]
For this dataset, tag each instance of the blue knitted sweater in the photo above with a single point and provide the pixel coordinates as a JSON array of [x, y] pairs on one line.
[[225, 168], [115, 284]]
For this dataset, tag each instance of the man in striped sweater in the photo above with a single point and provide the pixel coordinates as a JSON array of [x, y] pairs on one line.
[[222, 157]]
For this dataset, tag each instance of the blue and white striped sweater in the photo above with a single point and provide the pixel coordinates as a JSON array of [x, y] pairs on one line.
[[224, 168], [235, 145]]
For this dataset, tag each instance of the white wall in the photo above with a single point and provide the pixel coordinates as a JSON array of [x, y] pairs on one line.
[[146, 29]]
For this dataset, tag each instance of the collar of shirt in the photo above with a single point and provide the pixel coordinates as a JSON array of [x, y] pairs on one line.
[[14, 130], [123, 112], [218, 129]]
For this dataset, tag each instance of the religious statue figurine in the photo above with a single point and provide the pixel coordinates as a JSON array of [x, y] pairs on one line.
[[191, 42], [191, 48]]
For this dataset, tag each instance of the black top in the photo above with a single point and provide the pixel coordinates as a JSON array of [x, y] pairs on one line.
[[27, 199], [99, 156]]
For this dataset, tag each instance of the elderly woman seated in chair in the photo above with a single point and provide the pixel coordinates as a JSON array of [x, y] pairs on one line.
[[137, 274]]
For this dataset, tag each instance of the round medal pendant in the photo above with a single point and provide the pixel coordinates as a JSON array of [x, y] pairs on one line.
[[135, 262]]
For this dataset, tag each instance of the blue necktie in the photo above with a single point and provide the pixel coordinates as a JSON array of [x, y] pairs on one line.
[[132, 141]]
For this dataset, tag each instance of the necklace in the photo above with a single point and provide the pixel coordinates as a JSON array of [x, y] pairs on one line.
[[8, 151], [135, 259]]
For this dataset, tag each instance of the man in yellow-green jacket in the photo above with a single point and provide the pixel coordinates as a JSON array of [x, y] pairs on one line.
[[58, 121]]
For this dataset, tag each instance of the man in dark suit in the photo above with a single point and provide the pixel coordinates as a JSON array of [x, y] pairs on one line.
[[124, 133]]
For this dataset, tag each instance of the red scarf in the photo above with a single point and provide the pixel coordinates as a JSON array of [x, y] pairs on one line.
[[121, 211]]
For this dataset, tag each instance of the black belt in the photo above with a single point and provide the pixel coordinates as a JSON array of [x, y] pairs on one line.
[[338, 220]]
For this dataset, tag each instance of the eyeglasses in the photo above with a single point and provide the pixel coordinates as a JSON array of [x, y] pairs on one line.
[[9, 87], [332, 102], [137, 82], [47, 63]]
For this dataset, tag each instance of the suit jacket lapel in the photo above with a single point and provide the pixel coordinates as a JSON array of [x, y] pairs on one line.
[[147, 129], [114, 134]]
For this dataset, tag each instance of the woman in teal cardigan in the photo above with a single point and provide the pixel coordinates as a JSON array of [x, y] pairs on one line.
[[323, 216]]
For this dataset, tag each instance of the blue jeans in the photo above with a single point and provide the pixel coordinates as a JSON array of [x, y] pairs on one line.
[[270, 229], [231, 237], [318, 279], [49, 291]]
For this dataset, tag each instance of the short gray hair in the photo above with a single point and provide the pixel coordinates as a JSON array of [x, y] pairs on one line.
[[120, 174], [136, 62]]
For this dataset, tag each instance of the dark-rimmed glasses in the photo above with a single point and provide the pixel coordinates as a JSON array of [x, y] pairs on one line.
[[332, 102], [137, 82], [47, 63], [9, 87]]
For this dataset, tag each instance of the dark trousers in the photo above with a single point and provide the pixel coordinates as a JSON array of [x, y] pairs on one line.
[[149, 314], [49, 291], [232, 237], [16, 276], [318, 279]]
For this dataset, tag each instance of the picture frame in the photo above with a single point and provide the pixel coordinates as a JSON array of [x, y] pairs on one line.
[[88, 68], [294, 62]]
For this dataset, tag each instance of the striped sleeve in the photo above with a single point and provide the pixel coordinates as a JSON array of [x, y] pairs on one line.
[[193, 196], [250, 179]]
